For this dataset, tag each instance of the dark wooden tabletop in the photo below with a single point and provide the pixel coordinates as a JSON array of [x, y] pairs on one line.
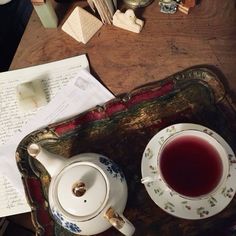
[[123, 60]]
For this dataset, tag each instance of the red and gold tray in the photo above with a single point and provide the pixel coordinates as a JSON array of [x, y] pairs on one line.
[[120, 129]]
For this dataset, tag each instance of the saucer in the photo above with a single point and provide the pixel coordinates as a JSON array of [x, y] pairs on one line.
[[177, 205]]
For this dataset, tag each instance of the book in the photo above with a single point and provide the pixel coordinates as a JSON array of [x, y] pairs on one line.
[[105, 9]]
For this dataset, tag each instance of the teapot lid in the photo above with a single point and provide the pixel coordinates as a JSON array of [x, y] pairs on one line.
[[81, 190]]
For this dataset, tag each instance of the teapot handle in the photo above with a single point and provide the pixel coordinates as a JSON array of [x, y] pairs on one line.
[[119, 222]]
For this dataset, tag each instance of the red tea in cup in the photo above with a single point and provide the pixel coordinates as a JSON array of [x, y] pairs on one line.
[[191, 165]]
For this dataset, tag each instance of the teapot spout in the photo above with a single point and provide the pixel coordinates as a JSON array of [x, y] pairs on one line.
[[52, 163]]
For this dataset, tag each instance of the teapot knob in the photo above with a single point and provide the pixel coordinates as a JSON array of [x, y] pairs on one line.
[[79, 189]]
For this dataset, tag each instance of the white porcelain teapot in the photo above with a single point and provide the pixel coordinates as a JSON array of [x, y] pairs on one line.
[[87, 193]]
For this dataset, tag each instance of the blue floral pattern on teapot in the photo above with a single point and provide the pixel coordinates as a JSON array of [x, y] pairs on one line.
[[66, 224], [112, 168]]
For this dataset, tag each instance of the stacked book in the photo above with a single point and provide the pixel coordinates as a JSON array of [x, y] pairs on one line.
[[105, 8]]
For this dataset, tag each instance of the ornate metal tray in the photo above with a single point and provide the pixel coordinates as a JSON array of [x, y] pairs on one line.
[[120, 129]]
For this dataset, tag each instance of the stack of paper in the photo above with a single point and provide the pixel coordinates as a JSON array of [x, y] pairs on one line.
[[105, 8], [71, 90], [81, 25]]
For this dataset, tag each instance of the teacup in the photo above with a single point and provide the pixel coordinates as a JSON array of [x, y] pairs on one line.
[[192, 164]]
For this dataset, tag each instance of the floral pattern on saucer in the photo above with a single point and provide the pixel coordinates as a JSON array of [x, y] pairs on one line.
[[171, 202]]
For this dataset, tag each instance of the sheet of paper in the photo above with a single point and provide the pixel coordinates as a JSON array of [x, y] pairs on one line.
[[55, 75], [11, 201], [82, 92]]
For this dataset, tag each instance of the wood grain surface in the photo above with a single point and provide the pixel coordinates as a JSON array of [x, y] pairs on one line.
[[123, 60]]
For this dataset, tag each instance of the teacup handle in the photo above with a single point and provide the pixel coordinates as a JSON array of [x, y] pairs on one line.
[[149, 179], [119, 222]]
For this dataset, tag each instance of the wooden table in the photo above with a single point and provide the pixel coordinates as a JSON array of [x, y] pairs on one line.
[[123, 60]]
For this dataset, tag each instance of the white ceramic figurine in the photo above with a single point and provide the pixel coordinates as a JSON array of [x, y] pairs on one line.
[[127, 21]]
